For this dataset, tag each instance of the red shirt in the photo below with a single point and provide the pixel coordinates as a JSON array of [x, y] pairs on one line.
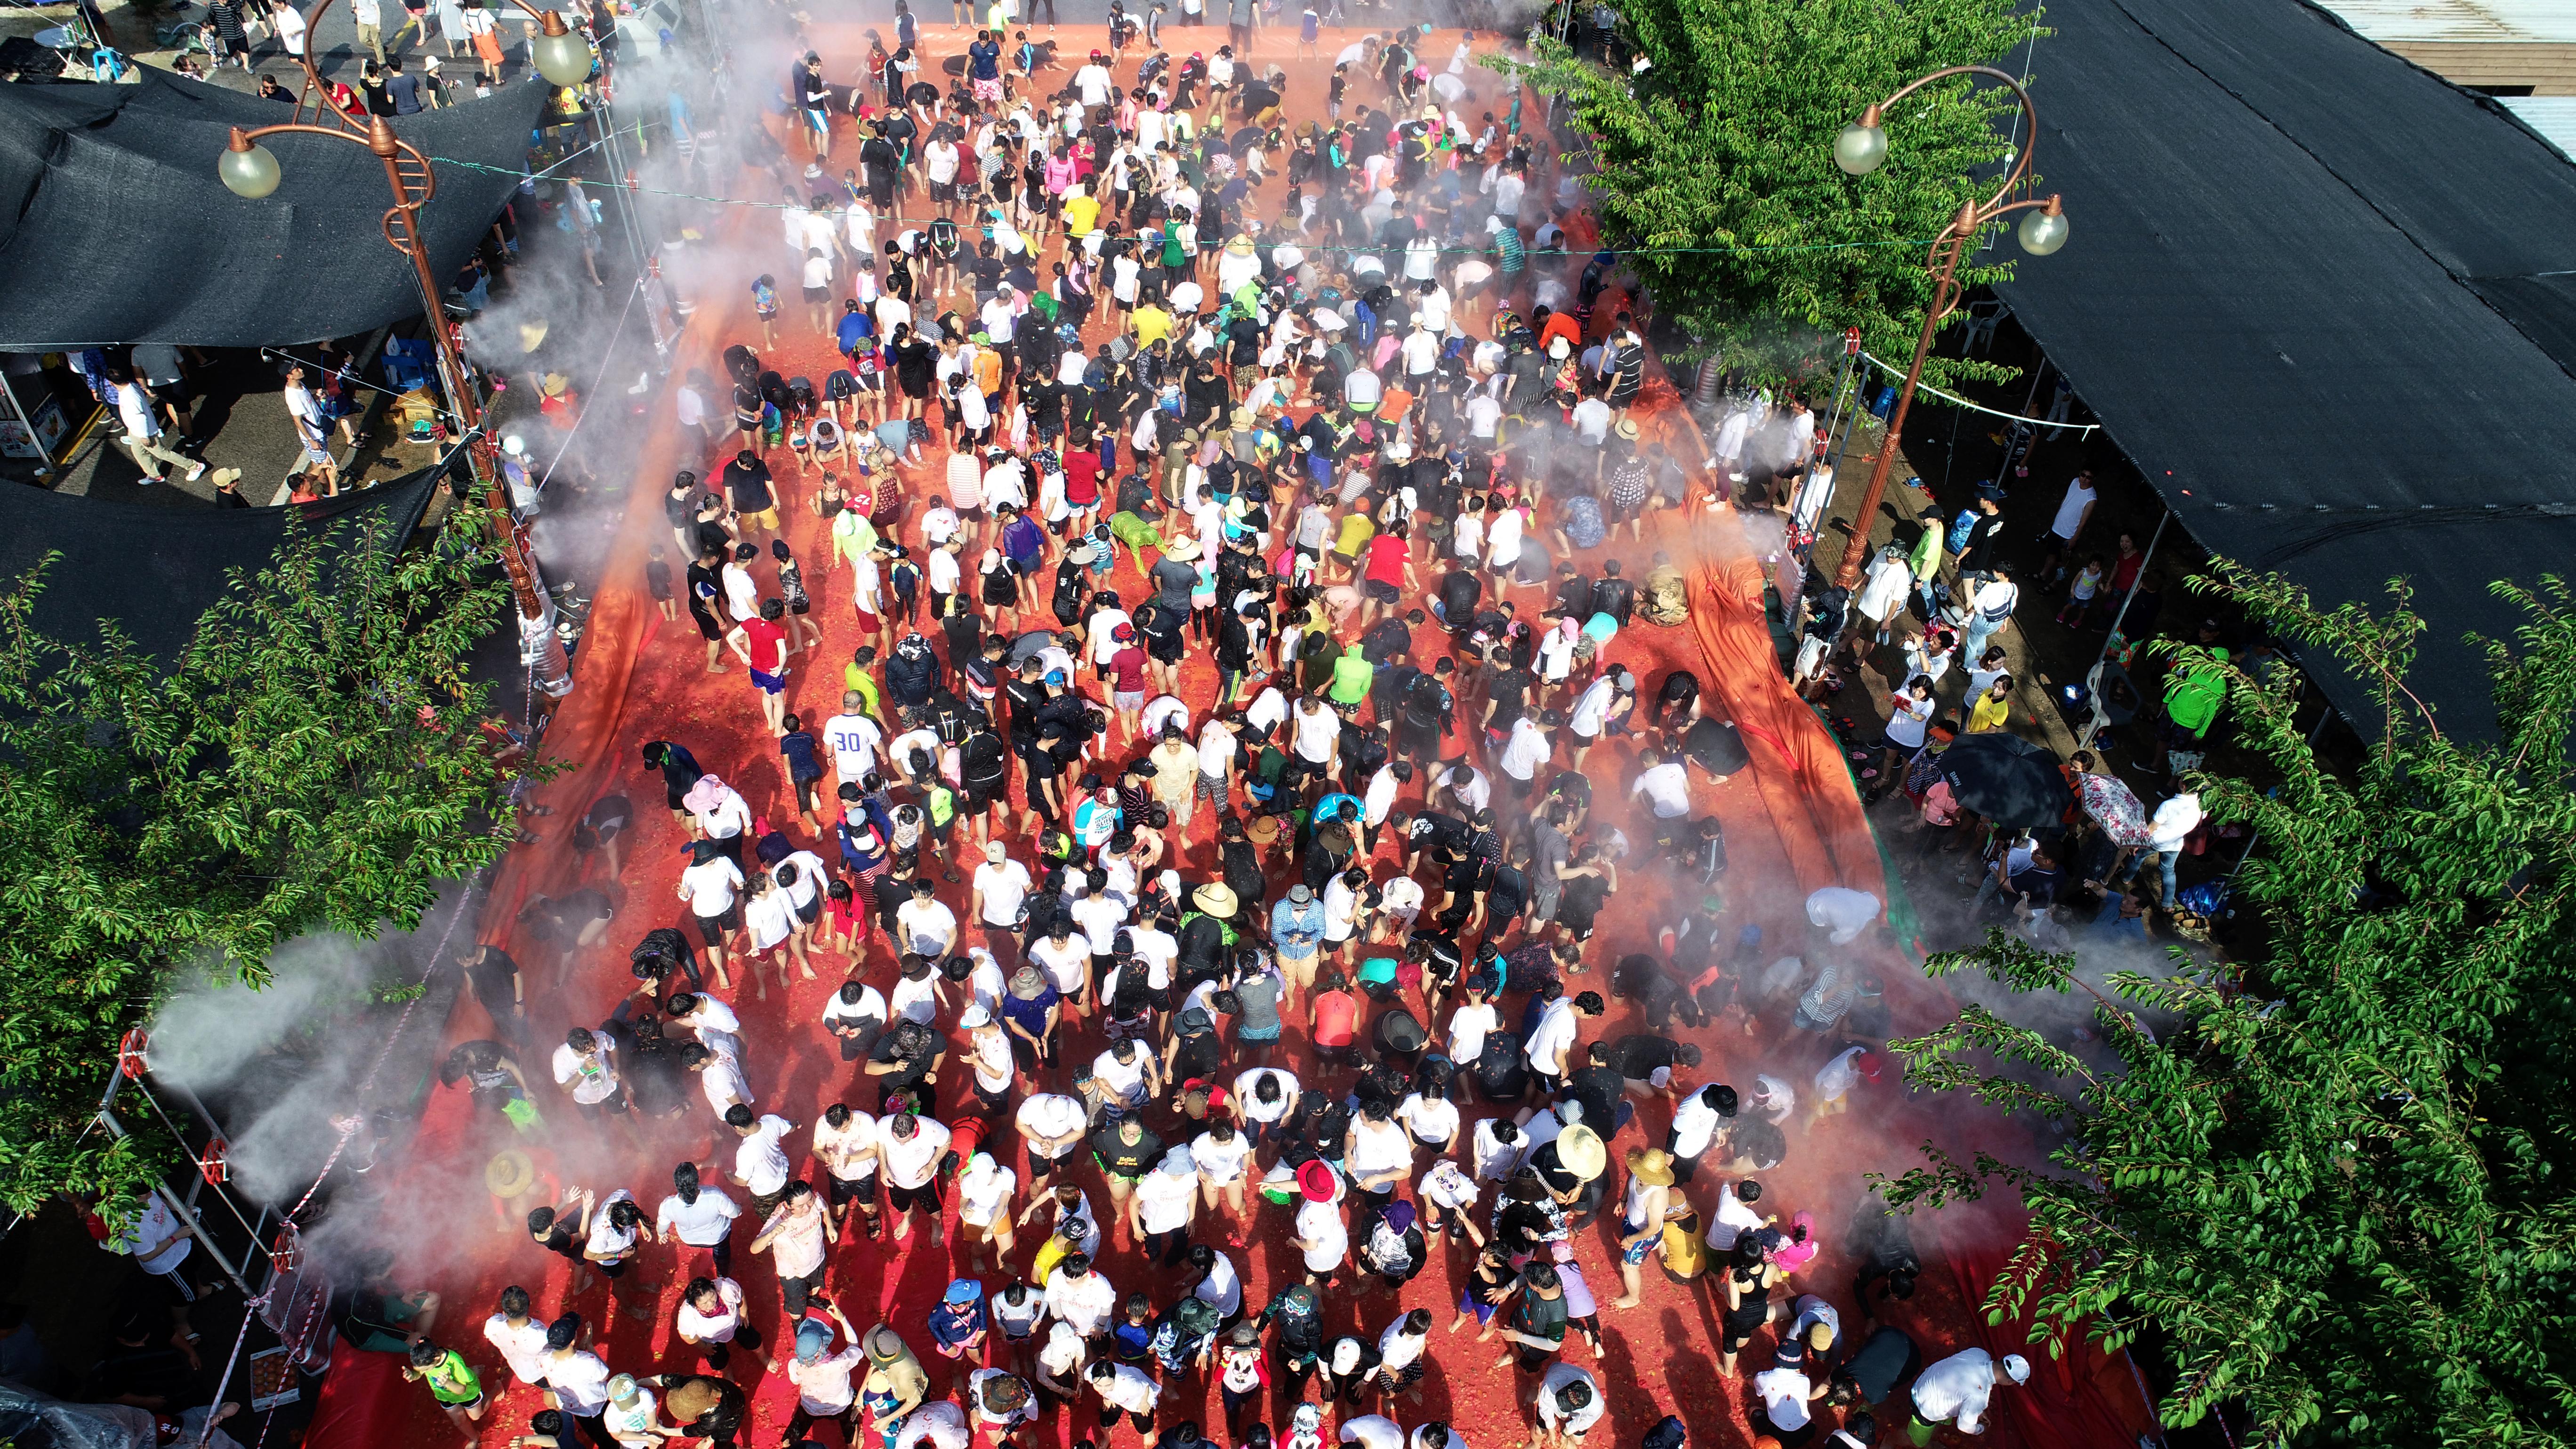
[[768, 645], [1387, 556], [1127, 666], [1081, 477], [1335, 1014]]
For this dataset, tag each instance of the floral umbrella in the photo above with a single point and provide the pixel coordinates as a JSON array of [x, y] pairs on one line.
[[2114, 806]]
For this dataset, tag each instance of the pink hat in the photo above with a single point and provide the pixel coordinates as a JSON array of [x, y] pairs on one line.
[[1315, 1179]]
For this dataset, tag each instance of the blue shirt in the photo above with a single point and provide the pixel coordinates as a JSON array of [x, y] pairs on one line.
[[1300, 928], [1338, 806], [984, 60], [1030, 1015]]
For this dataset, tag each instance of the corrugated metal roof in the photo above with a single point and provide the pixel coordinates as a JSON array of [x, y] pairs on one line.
[[2554, 117], [2453, 21]]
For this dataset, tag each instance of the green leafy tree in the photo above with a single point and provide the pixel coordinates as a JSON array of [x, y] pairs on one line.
[[2332, 1184], [1716, 170], [311, 761]]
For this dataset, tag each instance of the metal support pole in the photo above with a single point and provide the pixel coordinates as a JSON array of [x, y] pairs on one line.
[[178, 1209]]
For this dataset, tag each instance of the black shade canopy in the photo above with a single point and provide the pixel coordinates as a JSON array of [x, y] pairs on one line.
[[2324, 300], [115, 229]]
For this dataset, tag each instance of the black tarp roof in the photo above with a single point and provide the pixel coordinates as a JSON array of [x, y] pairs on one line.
[[2324, 300], [115, 229], [156, 569]]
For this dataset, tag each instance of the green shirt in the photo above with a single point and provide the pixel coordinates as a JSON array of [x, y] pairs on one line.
[[853, 677], [451, 1380], [1377, 968], [1351, 675]]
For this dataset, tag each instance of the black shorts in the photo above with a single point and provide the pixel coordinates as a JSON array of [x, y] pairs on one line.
[[1383, 592], [817, 296], [706, 625], [843, 1191], [1163, 653], [812, 910], [1740, 1324], [711, 929], [904, 1199]]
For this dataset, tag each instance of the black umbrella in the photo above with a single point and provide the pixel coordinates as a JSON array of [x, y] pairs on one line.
[[2006, 779]]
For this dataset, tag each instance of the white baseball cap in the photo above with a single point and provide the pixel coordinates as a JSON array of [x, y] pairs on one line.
[[2016, 1368]]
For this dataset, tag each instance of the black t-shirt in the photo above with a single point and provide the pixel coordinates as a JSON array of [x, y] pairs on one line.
[[490, 976], [479, 1065], [1638, 1055], [748, 487], [1598, 1089], [1433, 828], [1882, 1363], [1459, 591], [1510, 694], [1386, 639], [1122, 1158]]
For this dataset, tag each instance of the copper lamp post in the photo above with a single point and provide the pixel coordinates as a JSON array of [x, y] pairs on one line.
[[1859, 150]]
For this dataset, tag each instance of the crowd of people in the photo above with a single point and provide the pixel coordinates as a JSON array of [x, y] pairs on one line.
[[1128, 986]]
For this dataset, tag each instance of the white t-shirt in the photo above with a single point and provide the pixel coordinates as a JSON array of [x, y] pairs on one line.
[[1553, 1036], [1065, 962], [1372, 1431], [869, 1007], [759, 1160], [1731, 1220], [523, 1348], [1843, 911], [1695, 1124], [1163, 1201], [712, 887], [716, 1327], [1528, 748], [597, 1078], [1005, 885], [1221, 1287], [823, 1386], [1784, 1397], [1432, 1120], [1220, 1162], [1052, 1114], [911, 1164], [925, 926], [1397, 1349], [839, 1148], [579, 1380], [700, 1224], [1122, 1081], [1562, 1375], [1247, 1099], [981, 1197], [1316, 733], [1667, 790]]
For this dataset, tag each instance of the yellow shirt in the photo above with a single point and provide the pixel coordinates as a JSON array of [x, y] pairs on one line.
[[1989, 713], [1080, 212], [1153, 324]]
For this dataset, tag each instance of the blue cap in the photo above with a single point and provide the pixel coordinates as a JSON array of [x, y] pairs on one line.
[[1749, 936], [965, 1290]]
